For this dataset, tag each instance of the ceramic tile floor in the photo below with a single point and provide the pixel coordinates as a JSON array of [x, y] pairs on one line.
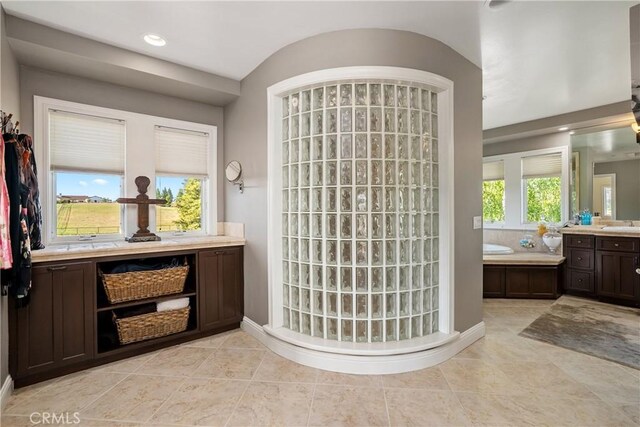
[[233, 380]]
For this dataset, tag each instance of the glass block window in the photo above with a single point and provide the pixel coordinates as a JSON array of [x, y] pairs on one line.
[[360, 203]]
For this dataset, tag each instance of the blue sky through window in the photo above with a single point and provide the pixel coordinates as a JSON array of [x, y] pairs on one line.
[[104, 185]]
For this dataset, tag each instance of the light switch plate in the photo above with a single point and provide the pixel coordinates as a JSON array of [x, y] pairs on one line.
[[477, 222]]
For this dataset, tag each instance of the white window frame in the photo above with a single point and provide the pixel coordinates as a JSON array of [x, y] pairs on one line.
[[139, 160], [515, 191]]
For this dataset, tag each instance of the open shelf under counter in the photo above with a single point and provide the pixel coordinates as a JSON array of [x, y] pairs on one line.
[[68, 325], [133, 303]]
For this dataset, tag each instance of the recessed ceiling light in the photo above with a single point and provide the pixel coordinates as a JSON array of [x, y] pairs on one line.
[[573, 132], [154, 39], [563, 128]]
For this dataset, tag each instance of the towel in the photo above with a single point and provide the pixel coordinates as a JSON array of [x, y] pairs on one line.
[[174, 304]]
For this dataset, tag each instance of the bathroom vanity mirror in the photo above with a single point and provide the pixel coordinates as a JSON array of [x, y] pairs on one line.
[[605, 173], [233, 173]]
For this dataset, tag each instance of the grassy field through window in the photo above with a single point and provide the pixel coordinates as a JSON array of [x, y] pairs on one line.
[[79, 219]]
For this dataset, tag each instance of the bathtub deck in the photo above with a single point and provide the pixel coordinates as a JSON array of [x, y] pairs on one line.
[[523, 258]]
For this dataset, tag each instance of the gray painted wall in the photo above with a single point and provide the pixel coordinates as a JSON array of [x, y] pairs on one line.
[[559, 139], [246, 141], [10, 102], [70, 88], [627, 186]]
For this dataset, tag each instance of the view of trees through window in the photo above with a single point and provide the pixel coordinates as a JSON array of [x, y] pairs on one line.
[[543, 201], [184, 204], [493, 200], [543, 197], [86, 204]]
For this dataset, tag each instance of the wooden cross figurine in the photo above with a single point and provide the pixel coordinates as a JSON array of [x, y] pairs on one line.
[[143, 201]]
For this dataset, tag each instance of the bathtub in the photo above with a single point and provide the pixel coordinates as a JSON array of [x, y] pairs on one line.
[[491, 249]]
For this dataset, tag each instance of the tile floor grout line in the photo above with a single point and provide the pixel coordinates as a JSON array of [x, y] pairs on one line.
[[150, 417], [455, 394], [386, 406], [102, 394], [313, 396], [235, 407]]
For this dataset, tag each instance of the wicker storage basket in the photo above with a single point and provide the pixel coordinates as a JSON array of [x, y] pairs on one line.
[[151, 325], [121, 287]]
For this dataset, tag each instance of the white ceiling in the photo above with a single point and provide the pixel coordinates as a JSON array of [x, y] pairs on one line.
[[539, 59]]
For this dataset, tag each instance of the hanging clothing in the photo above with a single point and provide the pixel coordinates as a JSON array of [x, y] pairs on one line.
[[6, 258], [29, 177], [18, 278]]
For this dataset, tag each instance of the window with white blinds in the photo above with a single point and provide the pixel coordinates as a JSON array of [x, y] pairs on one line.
[[181, 152], [493, 171], [545, 166], [521, 189], [91, 156], [82, 142]]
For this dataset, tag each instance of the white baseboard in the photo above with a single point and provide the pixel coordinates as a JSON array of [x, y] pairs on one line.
[[5, 392], [353, 364]]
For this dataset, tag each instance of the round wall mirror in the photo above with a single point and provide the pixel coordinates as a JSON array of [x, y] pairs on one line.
[[233, 171]]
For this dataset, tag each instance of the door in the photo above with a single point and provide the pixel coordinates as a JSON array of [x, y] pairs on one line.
[[604, 195], [617, 276], [220, 281], [56, 327]]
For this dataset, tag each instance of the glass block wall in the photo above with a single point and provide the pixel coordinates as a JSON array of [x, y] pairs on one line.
[[360, 211]]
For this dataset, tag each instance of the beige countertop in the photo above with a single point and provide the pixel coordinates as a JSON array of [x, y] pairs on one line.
[[102, 249], [523, 258], [596, 230]]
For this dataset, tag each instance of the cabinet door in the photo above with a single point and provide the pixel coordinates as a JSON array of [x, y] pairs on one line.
[[76, 290], [608, 271], [220, 281], [543, 282], [629, 284], [531, 282], [493, 282], [56, 327], [616, 275], [517, 282]]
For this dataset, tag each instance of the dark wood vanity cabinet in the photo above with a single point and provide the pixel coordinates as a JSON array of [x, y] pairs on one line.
[[493, 277], [222, 300], [616, 275], [63, 328], [603, 267], [521, 281], [56, 328], [579, 275]]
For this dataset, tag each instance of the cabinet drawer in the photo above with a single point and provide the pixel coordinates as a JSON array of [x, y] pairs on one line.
[[579, 281], [618, 244], [579, 258], [578, 241]]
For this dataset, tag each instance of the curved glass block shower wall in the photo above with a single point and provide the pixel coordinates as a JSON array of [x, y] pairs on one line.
[[359, 204]]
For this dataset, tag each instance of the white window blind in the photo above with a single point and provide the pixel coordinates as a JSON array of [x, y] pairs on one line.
[[181, 152], [86, 143], [542, 166], [493, 171]]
